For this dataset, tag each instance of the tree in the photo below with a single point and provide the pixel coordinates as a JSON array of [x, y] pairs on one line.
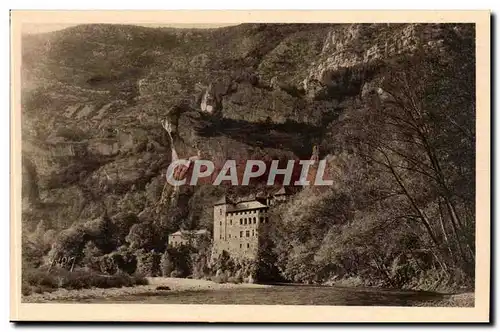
[[166, 264], [148, 263], [102, 233], [90, 254], [421, 132], [69, 244], [141, 236], [121, 224]]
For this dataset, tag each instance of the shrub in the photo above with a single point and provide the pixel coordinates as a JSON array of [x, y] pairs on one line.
[[91, 256], [107, 265], [221, 277], [148, 263], [182, 260], [41, 280], [25, 289], [38, 277], [126, 261], [235, 280], [176, 274], [141, 236], [166, 264]]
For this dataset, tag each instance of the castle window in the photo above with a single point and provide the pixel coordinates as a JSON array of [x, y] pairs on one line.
[[254, 220], [261, 219], [241, 233], [230, 222], [267, 219], [220, 212], [220, 223], [248, 245], [240, 245], [253, 232], [248, 233], [229, 235], [241, 221]]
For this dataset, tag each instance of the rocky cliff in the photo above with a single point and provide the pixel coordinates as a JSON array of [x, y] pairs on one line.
[[94, 97]]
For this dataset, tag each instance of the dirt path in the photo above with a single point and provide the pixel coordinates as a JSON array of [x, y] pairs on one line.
[[175, 285]]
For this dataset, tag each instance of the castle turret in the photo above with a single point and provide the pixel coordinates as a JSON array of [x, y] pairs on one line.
[[220, 223]]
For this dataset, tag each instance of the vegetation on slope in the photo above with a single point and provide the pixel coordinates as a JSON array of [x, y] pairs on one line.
[[398, 133]]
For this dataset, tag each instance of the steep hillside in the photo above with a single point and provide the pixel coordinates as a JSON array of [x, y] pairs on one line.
[[94, 97]]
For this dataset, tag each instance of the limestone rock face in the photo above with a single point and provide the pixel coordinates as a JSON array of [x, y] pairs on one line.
[[361, 45], [211, 101], [93, 129], [208, 103]]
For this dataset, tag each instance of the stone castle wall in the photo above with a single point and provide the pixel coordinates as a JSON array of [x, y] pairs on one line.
[[237, 231]]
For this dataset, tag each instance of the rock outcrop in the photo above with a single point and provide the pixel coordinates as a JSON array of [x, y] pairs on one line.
[[244, 92]]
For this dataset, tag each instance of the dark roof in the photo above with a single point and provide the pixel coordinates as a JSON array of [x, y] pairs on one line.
[[223, 200], [192, 232], [248, 205]]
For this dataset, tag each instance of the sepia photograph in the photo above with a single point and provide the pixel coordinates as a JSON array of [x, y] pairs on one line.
[[279, 161]]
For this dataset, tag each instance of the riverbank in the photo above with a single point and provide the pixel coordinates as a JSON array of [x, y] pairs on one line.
[[455, 300], [194, 291], [173, 284]]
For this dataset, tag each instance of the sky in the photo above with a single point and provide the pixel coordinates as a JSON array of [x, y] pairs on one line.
[[48, 27]]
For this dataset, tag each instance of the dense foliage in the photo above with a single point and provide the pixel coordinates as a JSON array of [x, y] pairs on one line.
[[401, 212], [398, 133]]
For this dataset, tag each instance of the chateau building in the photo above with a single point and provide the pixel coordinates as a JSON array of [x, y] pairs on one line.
[[191, 238], [236, 224]]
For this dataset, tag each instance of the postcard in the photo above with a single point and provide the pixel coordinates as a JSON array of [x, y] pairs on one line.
[[250, 166]]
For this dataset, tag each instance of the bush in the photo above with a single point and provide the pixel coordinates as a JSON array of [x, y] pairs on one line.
[[181, 258], [107, 265], [141, 236], [38, 277], [235, 280], [220, 278], [41, 280], [148, 263], [25, 289], [166, 264], [176, 274], [200, 265]]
